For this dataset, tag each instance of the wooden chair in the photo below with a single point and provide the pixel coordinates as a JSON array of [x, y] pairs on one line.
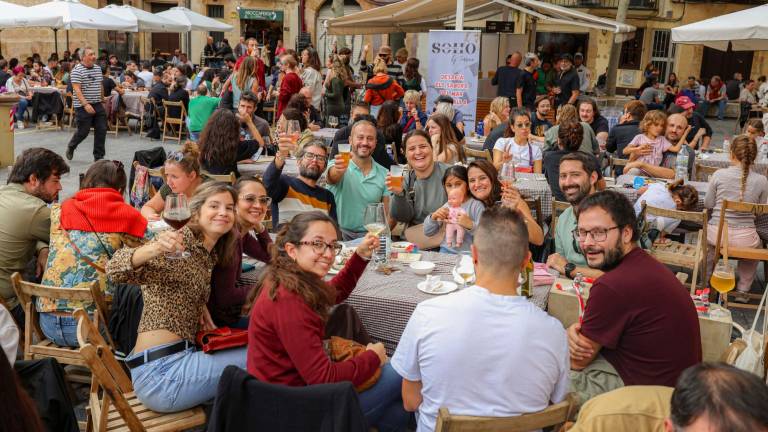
[[113, 405], [558, 207], [702, 172], [26, 293], [69, 111], [723, 249], [551, 416], [230, 178], [171, 123], [535, 205], [692, 256], [617, 162], [478, 154], [116, 126]]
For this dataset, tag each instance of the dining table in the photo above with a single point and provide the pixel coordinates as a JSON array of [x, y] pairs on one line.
[[723, 160]]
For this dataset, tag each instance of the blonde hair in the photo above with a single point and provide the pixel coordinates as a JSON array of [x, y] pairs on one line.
[[188, 158], [379, 66], [402, 52], [445, 109], [653, 118], [744, 149], [412, 96], [498, 104], [567, 113], [339, 70]]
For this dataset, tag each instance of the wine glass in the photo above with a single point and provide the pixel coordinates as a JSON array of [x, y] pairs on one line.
[[507, 175], [176, 215], [463, 268], [375, 223], [723, 280], [333, 121], [293, 129]]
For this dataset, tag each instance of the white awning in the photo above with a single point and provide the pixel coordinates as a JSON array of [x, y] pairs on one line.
[[745, 30], [414, 16], [194, 20], [143, 20], [76, 15], [19, 16]]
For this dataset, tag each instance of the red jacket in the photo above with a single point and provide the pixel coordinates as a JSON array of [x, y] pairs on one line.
[[382, 88], [285, 338], [290, 85]]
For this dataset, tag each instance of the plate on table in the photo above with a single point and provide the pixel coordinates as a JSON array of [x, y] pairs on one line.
[[402, 246], [341, 260], [444, 288]]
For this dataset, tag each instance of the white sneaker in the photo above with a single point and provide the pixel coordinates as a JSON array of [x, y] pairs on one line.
[[19, 125]]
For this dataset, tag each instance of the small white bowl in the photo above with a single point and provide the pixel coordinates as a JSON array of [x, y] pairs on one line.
[[422, 267]]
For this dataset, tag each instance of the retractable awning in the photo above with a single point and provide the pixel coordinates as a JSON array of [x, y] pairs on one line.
[[745, 30]]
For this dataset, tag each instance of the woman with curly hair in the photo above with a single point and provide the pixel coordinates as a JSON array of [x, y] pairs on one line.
[[290, 310], [220, 145]]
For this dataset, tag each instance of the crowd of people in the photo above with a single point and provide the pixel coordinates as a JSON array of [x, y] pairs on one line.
[[640, 327]]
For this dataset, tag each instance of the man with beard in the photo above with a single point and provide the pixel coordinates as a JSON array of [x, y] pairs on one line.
[[577, 179], [677, 129], [294, 195], [362, 111], [25, 219], [359, 182], [640, 326]]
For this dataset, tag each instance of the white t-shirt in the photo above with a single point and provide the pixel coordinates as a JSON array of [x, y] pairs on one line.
[[483, 354], [658, 195], [521, 154]]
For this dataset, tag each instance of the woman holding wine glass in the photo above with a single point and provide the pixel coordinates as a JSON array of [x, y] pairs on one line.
[[737, 183], [290, 310], [182, 174], [167, 371]]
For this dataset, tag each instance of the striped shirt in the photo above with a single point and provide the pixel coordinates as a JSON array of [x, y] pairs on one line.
[[291, 196], [90, 83]]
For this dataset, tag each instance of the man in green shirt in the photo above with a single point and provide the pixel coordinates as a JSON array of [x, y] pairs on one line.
[[200, 109], [358, 183], [25, 219], [578, 177]]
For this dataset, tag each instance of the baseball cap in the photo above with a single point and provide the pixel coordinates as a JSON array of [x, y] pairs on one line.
[[684, 102]]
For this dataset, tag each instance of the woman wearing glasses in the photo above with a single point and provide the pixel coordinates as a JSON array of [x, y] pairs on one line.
[[290, 309], [516, 145], [167, 372], [227, 296]]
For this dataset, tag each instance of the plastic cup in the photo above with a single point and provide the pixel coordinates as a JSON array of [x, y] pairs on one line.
[[396, 176], [344, 151]]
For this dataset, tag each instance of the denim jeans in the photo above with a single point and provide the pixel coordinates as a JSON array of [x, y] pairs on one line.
[[382, 404], [721, 104], [193, 136], [183, 380], [62, 330], [21, 108]]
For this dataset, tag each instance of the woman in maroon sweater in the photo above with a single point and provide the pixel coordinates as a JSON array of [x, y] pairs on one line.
[[227, 296], [285, 334], [290, 84]]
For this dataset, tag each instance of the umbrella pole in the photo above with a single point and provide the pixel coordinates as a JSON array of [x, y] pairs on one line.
[[67, 49], [56, 40], [1, 44]]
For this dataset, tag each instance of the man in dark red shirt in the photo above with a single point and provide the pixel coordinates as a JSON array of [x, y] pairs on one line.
[[640, 326], [253, 51]]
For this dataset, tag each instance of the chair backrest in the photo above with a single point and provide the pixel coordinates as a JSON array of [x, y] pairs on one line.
[[108, 376], [551, 416], [704, 171], [558, 207], [175, 104], [741, 252], [230, 178], [26, 291], [478, 154], [699, 218], [535, 205]]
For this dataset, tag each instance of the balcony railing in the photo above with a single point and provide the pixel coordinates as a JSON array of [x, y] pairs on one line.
[[606, 4]]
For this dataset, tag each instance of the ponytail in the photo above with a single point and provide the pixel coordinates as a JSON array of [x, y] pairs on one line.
[[744, 149]]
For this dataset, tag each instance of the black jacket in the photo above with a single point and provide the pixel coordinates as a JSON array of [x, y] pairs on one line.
[[620, 136], [244, 403]]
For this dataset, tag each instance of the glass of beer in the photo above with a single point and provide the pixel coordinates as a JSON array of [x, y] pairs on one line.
[[396, 176], [344, 151], [723, 280]]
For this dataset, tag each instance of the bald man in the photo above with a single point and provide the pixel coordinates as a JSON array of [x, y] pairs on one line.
[[677, 130]]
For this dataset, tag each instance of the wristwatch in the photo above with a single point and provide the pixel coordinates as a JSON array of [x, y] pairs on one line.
[[569, 268]]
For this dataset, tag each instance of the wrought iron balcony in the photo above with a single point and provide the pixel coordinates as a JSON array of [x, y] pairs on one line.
[[606, 4]]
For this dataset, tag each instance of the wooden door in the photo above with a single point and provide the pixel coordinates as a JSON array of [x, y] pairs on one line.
[[725, 63]]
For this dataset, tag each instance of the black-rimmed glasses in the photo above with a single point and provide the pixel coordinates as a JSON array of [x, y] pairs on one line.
[[597, 234], [319, 246]]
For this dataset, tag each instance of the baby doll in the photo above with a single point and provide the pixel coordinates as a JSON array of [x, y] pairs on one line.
[[452, 228]]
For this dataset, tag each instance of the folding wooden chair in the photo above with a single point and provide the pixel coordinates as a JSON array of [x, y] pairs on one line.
[[692, 256], [553, 415], [703, 172], [558, 207], [44, 347], [113, 405], [69, 111], [722, 249], [535, 205], [172, 123], [478, 154], [617, 162]]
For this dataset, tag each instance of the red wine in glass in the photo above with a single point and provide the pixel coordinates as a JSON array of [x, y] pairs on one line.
[[176, 219], [176, 214]]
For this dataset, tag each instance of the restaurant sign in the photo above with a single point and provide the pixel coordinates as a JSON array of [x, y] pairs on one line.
[[261, 14]]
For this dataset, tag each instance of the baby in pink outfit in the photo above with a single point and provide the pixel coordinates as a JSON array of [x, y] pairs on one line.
[[452, 227]]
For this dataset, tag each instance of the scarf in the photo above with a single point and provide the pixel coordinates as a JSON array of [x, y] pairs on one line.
[[106, 211]]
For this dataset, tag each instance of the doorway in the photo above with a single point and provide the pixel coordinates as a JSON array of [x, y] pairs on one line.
[[265, 32], [165, 42], [552, 45], [725, 63]]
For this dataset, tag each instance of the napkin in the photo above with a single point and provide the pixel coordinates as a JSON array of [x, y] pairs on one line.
[[541, 276], [433, 283]]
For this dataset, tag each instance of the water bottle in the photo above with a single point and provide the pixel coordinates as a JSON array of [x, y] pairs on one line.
[[480, 129], [727, 144], [385, 246], [681, 164], [762, 150]]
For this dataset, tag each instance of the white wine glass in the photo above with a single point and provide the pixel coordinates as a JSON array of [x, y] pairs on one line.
[[177, 214], [375, 223], [333, 121], [465, 271]]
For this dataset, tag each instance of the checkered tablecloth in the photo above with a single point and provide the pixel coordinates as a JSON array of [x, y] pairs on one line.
[[723, 160], [325, 134]]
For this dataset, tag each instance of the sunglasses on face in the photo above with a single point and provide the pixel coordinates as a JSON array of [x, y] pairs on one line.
[[251, 199], [522, 125]]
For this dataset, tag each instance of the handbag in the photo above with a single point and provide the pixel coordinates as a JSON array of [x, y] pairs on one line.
[[340, 349], [220, 339], [752, 358]]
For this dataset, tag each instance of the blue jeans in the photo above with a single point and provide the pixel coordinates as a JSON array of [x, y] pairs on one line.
[[62, 330], [193, 136], [183, 380], [21, 108], [721, 104], [382, 404]]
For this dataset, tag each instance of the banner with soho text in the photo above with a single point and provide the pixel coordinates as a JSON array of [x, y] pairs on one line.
[[454, 58]]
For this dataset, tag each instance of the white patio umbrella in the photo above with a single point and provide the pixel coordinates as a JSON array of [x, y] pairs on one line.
[[194, 20], [14, 16], [143, 20], [746, 30], [76, 15]]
